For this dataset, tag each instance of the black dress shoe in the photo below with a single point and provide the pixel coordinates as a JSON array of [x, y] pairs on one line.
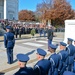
[[9, 63]]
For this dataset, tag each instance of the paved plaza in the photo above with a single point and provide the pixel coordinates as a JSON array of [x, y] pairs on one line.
[[26, 46]]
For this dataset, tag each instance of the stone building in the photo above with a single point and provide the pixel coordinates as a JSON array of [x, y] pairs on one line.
[[9, 9]]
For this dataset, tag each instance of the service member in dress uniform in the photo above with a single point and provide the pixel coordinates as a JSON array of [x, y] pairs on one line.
[[63, 58], [16, 31], [20, 31], [22, 61], [68, 73], [9, 43], [41, 32], [74, 42], [43, 65], [45, 31], [74, 60], [71, 51], [54, 60], [50, 35]]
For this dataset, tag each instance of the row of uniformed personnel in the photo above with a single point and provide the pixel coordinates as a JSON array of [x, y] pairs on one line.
[[58, 63], [55, 65]]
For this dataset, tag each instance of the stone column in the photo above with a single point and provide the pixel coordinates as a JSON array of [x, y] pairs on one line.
[[16, 9], [5, 9]]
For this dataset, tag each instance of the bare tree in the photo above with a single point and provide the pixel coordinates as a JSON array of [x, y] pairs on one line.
[[56, 10]]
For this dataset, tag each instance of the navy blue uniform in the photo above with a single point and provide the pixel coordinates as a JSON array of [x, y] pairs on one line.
[[25, 71], [54, 60], [50, 36], [23, 58], [41, 31], [74, 62], [42, 67], [71, 51], [9, 42], [16, 31], [74, 66], [63, 61], [20, 32], [68, 73], [45, 31], [23, 30]]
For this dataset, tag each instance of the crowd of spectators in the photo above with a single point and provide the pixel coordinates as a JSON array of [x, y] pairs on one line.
[[21, 28], [18, 28]]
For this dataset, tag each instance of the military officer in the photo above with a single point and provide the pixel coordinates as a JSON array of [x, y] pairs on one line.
[[54, 60], [20, 31], [74, 42], [22, 61], [9, 43], [44, 31], [43, 65], [74, 60], [41, 31], [63, 58], [23, 30], [71, 51], [16, 31], [68, 73], [50, 35]]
